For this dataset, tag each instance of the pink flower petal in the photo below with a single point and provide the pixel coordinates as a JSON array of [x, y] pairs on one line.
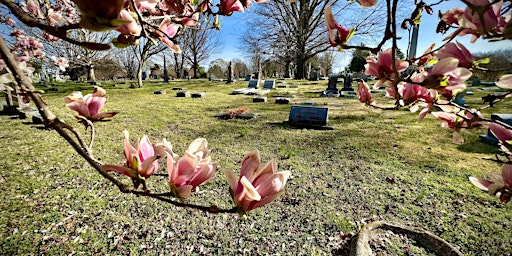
[[481, 183]]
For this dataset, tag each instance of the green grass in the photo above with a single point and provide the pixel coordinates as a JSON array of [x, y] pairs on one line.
[[53, 203]]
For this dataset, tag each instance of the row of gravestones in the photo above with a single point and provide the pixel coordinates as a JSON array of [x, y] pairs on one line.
[[183, 93]]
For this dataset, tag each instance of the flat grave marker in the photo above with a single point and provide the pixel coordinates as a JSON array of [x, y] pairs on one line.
[[309, 117], [269, 84], [253, 84], [198, 95], [259, 99], [183, 94]]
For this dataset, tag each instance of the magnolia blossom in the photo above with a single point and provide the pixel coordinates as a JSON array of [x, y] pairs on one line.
[[447, 78], [193, 169], [101, 15], [258, 184], [459, 52], [61, 62], [131, 28], [90, 105], [382, 67], [363, 93], [169, 31], [338, 35], [141, 160], [493, 22], [505, 82], [503, 134], [229, 6], [501, 184], [367, 3]]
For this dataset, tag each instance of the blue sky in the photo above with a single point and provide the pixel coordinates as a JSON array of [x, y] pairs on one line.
[[233, 27]]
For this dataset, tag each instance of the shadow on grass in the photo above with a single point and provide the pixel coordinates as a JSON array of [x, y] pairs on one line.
[[478, 147]]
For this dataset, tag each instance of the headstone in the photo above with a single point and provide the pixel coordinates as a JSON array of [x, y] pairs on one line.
[[347, 82], [248, 77], [315, 74], [269, 84], [460, 100], [159, 92], [281, 86], [183, 94], [309, 117], [282, 100], [177, 89], [259, 99], [293, 86], [476, 81], [198, 95], [332, 89], [230, 74], [253, 84], [489, 138]]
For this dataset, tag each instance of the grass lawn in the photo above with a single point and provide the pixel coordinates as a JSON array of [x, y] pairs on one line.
[[374, 165]]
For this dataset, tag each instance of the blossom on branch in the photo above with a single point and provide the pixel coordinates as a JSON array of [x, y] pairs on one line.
[[447, 78], [498, 184], [503, 134], [459, 52], [141, 160], [101, 15], [258, 184], [505, 82], [363, 92], [227, 7], [338, 35], [193, 169], [367, 3], [89, 106], [382, 67]]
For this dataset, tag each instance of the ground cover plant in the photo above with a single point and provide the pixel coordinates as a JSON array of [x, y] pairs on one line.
[[367, 168]]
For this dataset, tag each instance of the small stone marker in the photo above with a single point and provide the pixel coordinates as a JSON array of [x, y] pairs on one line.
[[243, 91], [281, 86], [198, 95], [489, 138], [282, 100], [293, 86], [183, 94], [259, 99], [269, 84], [159, 92], [253, 84], [309, 117], [177, 89], [308, 103]]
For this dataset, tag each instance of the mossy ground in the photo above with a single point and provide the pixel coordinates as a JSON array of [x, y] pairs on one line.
[[374, 165]]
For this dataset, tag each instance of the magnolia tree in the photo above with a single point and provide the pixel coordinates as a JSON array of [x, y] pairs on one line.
[[432, 80], [436, 77]]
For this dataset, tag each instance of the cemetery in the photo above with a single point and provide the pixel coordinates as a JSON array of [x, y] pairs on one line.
[[307, 127], [342, 177]]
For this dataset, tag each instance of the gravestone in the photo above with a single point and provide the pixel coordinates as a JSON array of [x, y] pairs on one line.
[[248, 77], [198, 95], [253, 84], [282, 100], [243, 91], [230, 74], [315, 73], [259, 99], [269, 84], [332, 89], [183, 94], [309, 117], [489, 137], [347, 83], [177, 89], [293, 86], [159, 92]]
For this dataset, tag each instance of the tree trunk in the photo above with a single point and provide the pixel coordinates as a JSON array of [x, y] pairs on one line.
[[139, 73], [301, 68], [90, 74]]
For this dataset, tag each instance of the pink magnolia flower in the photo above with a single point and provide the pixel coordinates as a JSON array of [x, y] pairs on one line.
[[101, 15], [501, 133], [141, 160], [363, 93], [447, 78], [258, 184], [505, 82], [459, 52], [493, 22], [61, 62], [90, 105], [170, 30], [416, 95], [338, 35], [382, 67], [501, 184], [227, 7], [193, 169], [131, 28], [367, 3]]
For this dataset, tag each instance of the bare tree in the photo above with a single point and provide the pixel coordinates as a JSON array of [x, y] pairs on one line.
[[201, 42], [296, 32], [126, 58], [143, 52], [82, 60]]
